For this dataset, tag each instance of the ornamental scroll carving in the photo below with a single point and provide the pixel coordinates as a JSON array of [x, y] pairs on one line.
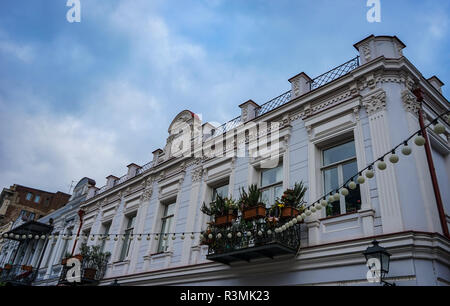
[[410, 102], [375, 102]]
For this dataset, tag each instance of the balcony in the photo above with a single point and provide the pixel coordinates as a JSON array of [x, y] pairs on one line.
[[89, 276], [257, 240], [17, 275]]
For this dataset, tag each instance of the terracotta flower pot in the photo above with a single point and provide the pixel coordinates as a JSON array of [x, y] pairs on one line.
[[224, 220], [27, 268], [89, 273], [254, 212], [289, 212]]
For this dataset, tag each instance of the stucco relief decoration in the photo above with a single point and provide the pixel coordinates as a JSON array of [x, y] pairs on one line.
[[197, 174], [147, 194], [366, 51], [410, 102], [296, 88], [375, 102]]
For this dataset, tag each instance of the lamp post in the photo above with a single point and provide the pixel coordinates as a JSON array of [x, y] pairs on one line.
[[377, 259]]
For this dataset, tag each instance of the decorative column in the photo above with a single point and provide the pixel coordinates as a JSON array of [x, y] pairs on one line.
[[196, 176], [375, 105]]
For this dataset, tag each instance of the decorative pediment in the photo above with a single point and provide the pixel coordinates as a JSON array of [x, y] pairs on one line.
[[181, 131]]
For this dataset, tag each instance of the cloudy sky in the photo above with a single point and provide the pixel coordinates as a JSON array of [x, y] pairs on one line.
[[88, 98]]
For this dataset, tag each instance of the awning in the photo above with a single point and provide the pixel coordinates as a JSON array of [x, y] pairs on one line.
[[30, 227]]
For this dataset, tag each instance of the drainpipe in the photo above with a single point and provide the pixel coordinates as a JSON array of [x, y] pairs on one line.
[[80, 214], [437, 194]]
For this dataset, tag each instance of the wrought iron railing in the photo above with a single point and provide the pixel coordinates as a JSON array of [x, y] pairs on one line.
[[334, 73], [251, 234], [228, 126], [18, 276], [274, 103], [88, 275]]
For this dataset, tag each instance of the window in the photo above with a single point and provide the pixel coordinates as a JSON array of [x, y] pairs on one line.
[[65, 249], [127, 242], [23, 215], [220, 191], [29, 196], [31, 217], [37, 199], [166, 224], [271, 185], [339, 164], [106, 228]]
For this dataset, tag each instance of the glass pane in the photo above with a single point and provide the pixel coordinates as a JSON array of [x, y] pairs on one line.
[[272, 176], [338, 153], [170, 209], [350, 169], [265, 197], [222, 191], [353, 200], [131, 222], [331, 180], [278, 192]]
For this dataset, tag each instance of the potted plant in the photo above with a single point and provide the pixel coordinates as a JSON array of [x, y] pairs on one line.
[[291, 202], [67, 255], [250, 203], [224, 210], [27, 268], [93, 260]]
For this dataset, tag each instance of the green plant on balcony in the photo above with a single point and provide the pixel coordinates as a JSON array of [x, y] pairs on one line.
[[93, 259], [223, 209], [291, 202], [250, 203]]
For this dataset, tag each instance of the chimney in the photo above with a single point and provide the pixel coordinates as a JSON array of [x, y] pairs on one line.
[[156, 154], [372, 47], [110, 181], [434, 80], [132, 170], [91, 191], [300, 84], [248, 110]]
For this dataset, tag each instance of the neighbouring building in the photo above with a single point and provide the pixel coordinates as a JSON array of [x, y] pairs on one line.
[[28, 203], [25, 248], [324, 132]]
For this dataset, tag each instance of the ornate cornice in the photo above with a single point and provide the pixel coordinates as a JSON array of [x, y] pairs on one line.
[[375, 102]]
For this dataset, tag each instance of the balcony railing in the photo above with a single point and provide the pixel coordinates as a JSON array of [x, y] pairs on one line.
[[17, 275], [253, 240], [334, 73], [89, 276]]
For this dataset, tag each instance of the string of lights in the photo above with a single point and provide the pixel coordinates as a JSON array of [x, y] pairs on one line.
[[322, 202]]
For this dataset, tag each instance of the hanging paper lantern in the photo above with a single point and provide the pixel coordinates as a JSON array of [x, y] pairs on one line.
[[369, 173], [344, 192], [406, 150], [24, 236], [29, 236], [303, 215], [43, 237], [313, 209], [192, 236], [182, 236], [249, 234], [294, 221], [269, 232], [148, 237], [37, 237], [393, 158], [381, 165], [283, 228], [352, 185], [157, 237], [116, 238], [239, 234], [17, 237], [230, 235], [92, 238], [419, 140], [165, 237], [260, 233], [323, 203], [299, 218], [308, 212], [361, 179], [210, 236], [139, 237], [108, 238], [439, 128], [336, 197]]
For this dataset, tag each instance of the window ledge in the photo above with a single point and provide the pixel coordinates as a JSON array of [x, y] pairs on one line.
[[159, 255], [120, 263], [338, 216]]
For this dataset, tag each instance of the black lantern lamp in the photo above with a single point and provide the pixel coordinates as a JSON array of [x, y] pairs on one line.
[[381, 255]]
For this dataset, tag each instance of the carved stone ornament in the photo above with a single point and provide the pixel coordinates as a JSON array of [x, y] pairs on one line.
[[375, 102], [147, 194], [197, 175], [410, 102]]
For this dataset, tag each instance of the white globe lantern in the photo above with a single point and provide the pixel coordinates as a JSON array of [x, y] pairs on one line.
[[308, 213], [269, 232], [210, 236], [352, 185], [336, 197], [313, 209], [303, 215], [219, 236], [393, 158], [230, 235], [369, 173], [344, 192], [419, 140], [260, 233], [381, 165], [249, 234], [439, 128], [239, 234], [406, 150], [299, 218], [361, 179]]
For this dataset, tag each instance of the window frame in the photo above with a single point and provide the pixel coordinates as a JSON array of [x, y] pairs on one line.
[[339, 166], [271, 187], [163, 245], [129, 229]]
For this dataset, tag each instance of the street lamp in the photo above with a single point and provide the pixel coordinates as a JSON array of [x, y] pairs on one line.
[[377, 259]]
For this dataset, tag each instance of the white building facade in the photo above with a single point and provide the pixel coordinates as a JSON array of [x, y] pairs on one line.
[[326, 130]]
